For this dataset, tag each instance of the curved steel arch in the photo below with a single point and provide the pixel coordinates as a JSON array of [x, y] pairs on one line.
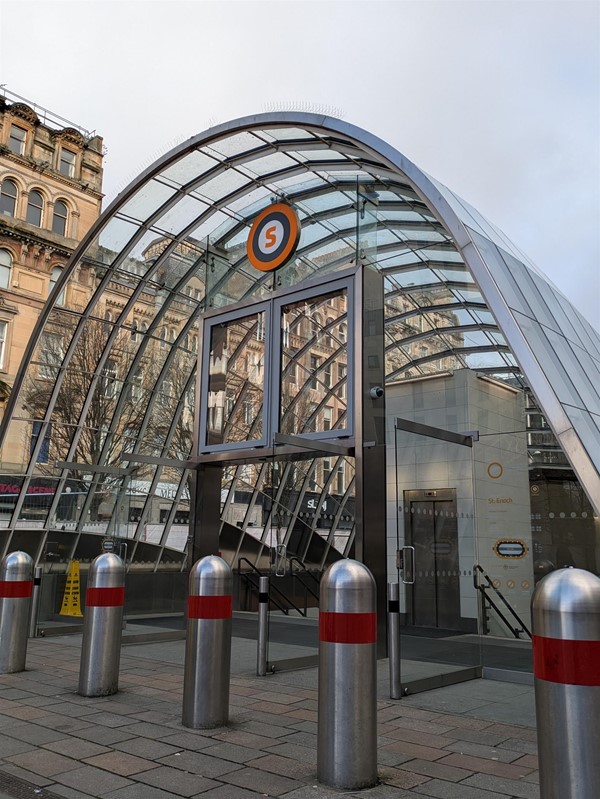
[[491, 259]]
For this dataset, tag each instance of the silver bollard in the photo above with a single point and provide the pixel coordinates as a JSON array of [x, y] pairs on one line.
[[394, 640], [35, 602], [102, 627], [208, 645], [16, 587], [347, 703], [566, 665], [263, 626]]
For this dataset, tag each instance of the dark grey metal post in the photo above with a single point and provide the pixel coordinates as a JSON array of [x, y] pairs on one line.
[[369, 422], [102, 627], [566, 656], [35, 602], [208, 645], [394, 640], [263, 626], [347, 702], [15, 601]]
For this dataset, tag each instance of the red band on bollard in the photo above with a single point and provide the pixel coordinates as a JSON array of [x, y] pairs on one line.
[[105, 597], [348, 628], [16, 588], [567, 662], [210, 607]]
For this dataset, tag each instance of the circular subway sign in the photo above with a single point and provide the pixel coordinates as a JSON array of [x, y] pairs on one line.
[[273, 238]]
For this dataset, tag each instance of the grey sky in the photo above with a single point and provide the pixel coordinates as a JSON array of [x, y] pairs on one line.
[[499, 100]]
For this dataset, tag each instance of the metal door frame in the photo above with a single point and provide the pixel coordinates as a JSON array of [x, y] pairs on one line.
[[427, 495]]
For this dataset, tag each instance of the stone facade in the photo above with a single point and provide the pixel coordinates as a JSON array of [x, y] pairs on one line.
[[50, 196]]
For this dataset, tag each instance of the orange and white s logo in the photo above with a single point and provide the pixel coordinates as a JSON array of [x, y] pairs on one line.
[[271, 236]]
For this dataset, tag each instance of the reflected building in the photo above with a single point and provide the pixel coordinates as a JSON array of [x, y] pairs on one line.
[[476, 343]]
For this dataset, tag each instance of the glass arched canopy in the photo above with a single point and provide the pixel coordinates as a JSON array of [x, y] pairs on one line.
[[110, 368]]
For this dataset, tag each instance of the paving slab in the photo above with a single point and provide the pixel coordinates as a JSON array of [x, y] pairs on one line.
[[470, 741]]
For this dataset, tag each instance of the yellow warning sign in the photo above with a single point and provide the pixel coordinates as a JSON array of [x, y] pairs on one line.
[[71, 604]]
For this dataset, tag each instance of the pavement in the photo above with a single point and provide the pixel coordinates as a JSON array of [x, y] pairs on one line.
[[473, 740]]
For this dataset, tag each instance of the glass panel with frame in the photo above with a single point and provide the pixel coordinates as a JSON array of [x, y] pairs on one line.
[[314, 365], [235, 380]]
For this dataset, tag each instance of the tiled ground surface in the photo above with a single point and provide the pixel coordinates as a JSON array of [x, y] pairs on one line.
[[448, 743]]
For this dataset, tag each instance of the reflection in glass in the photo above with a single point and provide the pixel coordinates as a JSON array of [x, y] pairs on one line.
[[314, 358], [236, 380]]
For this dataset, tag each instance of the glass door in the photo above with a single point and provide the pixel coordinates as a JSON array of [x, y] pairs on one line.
[[439, 641]]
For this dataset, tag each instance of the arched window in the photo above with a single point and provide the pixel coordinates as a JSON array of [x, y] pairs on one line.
[[59, 218], [8, 197], [328, 337], [5, 268], [35, 204], [54, 276]]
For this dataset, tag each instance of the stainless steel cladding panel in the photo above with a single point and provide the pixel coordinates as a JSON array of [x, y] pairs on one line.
[[347, 707], [102, 627], [208, 645], [566, 663], [16, 586]]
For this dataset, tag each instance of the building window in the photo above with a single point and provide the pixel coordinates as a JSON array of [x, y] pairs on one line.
[[42, 456], [327, 375], [314, 368], [327, 417], [340, 479], [134, 330], [51, 355], [136, 386], [8, 197], [5, 268], [59, 218], [54, 276], [163, 338], [3, 332], [109, 380], [67, 163], [260, 326], [328, 337], [341, 392], [16, 140], [35, 204]]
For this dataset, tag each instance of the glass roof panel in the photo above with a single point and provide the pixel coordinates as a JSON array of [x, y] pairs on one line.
[[587, 426], [180, 216], [222, 185], [147, 200], [273, 162], [570, 354], [188, 168], [112, 239], [233, 145], [545, 354], [286, 133], [326, 154]]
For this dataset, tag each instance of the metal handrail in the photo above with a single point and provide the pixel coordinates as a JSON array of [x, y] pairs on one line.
[[483, 589], [272, 588], [301, 577]]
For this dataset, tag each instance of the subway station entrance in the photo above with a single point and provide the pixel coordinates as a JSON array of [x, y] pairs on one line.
[[276, 343]]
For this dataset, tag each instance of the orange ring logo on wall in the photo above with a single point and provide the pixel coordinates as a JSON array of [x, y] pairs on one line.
[[273, 238]]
